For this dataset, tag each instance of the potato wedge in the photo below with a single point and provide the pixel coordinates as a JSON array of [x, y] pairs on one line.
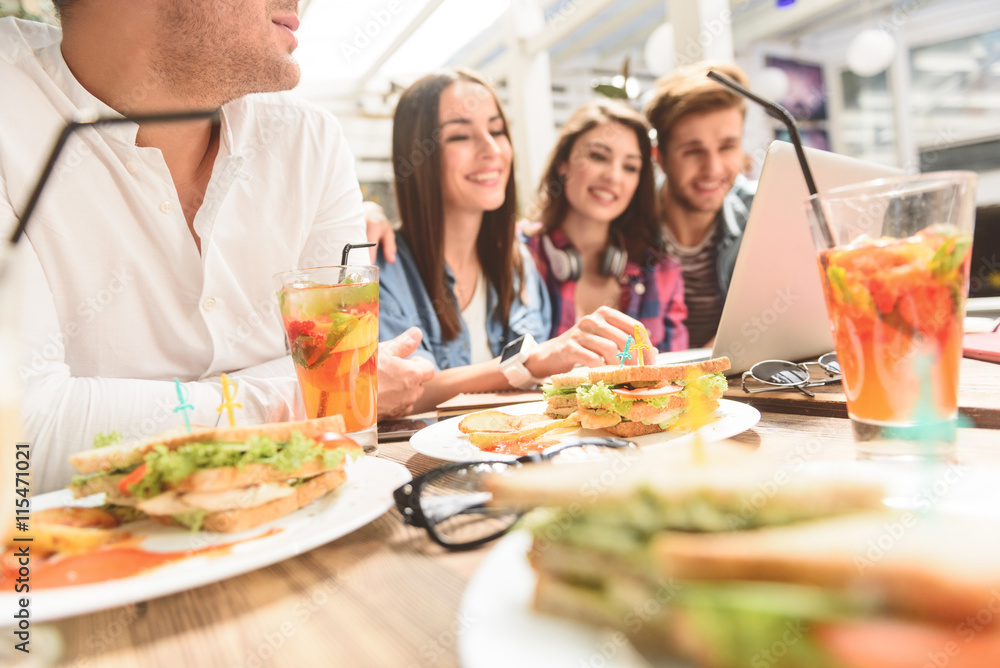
[[497, 422], [69, 530], [490, 441]]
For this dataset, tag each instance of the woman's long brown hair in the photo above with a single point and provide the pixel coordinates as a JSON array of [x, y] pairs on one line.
[[639, 224], [416, 138]]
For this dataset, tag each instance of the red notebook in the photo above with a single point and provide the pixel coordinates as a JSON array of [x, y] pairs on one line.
[[982, 346]]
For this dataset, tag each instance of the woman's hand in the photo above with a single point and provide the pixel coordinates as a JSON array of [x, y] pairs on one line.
[[595, 340]]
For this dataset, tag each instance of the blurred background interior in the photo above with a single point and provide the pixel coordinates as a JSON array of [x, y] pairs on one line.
[[909, 83]]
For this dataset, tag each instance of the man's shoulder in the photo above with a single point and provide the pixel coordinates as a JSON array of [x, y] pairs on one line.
[[744, 189], [283, 109], [28, 35]]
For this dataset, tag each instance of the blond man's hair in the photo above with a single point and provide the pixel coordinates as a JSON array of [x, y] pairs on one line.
[[688, 90]]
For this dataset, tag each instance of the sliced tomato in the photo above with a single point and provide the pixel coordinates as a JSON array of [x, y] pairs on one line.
[[883, 643], [131, 479], [648, 392], [332, 440]]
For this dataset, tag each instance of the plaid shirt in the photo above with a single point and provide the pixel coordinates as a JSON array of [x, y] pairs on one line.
[[652, 293]]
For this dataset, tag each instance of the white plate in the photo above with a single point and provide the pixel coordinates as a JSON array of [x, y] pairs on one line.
[[363, 498], [499, 628], [444, 441]]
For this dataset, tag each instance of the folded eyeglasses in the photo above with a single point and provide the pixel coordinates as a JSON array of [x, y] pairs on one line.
[[452, 502], [783, 375]]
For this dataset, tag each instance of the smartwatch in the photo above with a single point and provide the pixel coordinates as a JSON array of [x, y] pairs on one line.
[[512, 360]]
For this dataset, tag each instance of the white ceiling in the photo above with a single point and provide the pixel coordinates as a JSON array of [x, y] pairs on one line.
[[341, 42], [347, 46]]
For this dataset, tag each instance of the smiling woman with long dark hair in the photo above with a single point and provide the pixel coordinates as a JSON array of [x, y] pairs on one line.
[[461, 275], [600, 241]]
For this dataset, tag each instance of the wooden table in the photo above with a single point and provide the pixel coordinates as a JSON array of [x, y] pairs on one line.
[[385, 595]]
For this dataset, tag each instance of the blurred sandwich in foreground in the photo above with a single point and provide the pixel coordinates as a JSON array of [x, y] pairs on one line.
[[738, 563]]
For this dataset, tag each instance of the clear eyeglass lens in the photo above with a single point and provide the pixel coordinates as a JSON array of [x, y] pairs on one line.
[[779, 373], [591, 451], [830, 363], [455, 504]]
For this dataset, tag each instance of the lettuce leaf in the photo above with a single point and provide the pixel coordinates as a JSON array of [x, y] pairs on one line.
[[165, 466], [102, 440], [562, 390]]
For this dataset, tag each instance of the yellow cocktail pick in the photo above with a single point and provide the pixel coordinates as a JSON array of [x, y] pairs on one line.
[[228, 398], [696, 416], [641, 343]]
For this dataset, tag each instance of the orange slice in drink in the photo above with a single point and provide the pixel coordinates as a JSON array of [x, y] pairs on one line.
[[360, 344], [361, 336]]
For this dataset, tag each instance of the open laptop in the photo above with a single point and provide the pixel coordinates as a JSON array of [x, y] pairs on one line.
[[775, 307]]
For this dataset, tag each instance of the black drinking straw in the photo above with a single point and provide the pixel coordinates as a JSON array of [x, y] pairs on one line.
[[82, 121], [349, 247], [775, 110]]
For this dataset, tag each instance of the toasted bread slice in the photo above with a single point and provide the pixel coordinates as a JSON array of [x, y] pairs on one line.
[[127, 455], [230, 521], [629, 429], [936, 566], [570, 378], [560, 406], [741, 490], [614, 375]]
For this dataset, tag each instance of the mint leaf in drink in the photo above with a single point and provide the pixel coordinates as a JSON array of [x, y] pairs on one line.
[[950, 255], [342, 325], [837, 278], [303, 348]]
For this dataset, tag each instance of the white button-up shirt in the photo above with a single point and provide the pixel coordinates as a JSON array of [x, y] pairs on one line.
[[117, 301]]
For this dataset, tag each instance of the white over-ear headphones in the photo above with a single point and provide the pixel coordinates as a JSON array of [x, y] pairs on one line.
[[566, 264]]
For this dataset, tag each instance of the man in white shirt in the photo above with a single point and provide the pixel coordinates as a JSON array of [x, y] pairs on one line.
[[151, 253]]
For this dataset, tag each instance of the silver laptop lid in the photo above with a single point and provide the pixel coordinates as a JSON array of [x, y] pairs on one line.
[[775, 308]]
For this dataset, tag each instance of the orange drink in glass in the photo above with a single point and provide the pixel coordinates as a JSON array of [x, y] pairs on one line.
[[330, 316], [895, 284]]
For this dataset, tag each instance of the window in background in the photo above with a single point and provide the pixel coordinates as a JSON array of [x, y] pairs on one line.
[[866, 123], [955, 101]]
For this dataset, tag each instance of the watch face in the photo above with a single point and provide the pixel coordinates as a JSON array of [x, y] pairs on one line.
[[511, 350]]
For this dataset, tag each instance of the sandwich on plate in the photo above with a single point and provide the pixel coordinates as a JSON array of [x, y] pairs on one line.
[[633, 400], [739, 563], [220, 479]]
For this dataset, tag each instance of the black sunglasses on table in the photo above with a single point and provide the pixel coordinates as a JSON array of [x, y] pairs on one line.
[[782, 375], [451, 502]]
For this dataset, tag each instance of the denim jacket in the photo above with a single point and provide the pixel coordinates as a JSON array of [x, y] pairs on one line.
[[732, 220], [404, 302]]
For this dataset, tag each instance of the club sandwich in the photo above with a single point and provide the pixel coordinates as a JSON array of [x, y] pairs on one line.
[[633, 400], [220, 479]]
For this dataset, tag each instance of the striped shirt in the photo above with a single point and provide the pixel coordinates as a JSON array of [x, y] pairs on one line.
[[701, 284]]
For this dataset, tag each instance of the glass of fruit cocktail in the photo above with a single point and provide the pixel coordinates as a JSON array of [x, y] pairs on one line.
[[331, 320], [895, 281]]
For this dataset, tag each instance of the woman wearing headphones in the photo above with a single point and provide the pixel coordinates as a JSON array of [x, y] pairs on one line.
[[599, 243], [460, 273]]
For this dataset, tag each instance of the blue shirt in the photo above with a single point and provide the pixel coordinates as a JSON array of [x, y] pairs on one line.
[[404, 303]]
